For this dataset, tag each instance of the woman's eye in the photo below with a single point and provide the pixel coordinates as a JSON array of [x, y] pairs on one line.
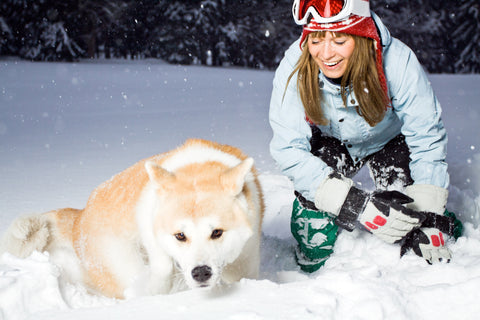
[[217, 233], [180, 236]]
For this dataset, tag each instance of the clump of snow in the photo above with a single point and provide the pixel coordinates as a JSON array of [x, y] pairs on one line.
[[66, 128], [28, 286]]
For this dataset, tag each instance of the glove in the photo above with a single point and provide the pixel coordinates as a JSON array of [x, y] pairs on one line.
[[386, 216], [382, 212], [427, 198], [428, 243]]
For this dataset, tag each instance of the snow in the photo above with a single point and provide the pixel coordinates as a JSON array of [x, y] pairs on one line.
[[66, 128]]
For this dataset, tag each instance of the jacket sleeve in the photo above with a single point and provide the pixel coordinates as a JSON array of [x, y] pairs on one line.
[[417, 107], [290, 145]]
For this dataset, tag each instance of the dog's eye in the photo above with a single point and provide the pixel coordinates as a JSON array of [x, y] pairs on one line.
[[217, 233], [180, 236]]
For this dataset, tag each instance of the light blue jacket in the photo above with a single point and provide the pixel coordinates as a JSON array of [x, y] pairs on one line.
[[415, 113]]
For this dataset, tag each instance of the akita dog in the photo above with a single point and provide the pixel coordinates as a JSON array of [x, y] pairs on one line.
[[190, 217]]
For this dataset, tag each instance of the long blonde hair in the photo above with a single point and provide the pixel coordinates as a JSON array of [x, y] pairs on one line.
[[361, 76]]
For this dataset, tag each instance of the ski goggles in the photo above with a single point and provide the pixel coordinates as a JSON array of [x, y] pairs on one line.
[[327, 11]]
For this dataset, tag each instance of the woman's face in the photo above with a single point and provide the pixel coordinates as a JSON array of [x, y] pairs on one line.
[[331, 52]]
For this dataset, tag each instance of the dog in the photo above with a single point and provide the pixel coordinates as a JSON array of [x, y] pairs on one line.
[[187, 218]]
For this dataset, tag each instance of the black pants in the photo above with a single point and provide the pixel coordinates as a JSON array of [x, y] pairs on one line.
[[388, 167]]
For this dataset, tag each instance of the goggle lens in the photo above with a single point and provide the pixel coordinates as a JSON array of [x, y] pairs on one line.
[[325, 8]]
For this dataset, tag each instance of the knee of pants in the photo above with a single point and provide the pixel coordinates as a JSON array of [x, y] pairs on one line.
[[458, 225], [315, 232]]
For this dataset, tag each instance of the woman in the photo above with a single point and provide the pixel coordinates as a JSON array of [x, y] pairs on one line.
[[345, 95]]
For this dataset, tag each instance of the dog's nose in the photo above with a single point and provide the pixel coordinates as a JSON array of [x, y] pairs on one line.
[[202, 273]]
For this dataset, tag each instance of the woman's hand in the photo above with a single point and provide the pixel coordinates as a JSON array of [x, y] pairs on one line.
[[386, 216], [428, 243], [381, 212]]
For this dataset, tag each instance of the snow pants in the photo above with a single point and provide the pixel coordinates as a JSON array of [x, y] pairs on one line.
[[316, 231]]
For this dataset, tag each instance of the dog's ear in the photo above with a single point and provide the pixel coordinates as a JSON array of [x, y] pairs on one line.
[[234, 178], [159, 175]]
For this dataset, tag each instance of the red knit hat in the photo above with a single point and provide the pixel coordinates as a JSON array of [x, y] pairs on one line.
[[362, 26]]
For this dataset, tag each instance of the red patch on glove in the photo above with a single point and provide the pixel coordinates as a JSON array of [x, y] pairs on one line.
[[378, 221], [437, 241], [371, 225]]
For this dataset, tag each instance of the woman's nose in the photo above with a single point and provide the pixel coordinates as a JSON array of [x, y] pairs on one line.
[[327, 51]]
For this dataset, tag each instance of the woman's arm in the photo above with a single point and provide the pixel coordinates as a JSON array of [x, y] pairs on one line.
[[417, 107]]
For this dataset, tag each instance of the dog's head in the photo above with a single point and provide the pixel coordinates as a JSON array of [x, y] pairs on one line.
[[202, 219]]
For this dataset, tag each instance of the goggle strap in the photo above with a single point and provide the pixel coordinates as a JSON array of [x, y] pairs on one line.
[[357, 7]]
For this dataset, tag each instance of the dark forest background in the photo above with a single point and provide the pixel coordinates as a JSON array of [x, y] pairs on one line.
[[444, 34]]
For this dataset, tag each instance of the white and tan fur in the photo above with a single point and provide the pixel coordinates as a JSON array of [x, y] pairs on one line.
[[190, 216]]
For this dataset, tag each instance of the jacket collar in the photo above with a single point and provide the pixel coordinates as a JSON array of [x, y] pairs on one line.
[[385, 36]]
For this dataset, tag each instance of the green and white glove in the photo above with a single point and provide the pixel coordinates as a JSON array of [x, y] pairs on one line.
[[428, 242], [381, 212]]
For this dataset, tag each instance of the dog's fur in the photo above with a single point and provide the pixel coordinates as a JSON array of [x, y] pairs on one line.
[[192, 215]]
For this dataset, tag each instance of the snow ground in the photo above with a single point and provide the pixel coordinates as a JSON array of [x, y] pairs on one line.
[[65, 128]]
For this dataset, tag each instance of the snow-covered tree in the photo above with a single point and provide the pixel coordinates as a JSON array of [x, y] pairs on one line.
[[425, 26], [98, 18], [52, 43], [6, 37], [467, 37], [42, 29], [272, 30]]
